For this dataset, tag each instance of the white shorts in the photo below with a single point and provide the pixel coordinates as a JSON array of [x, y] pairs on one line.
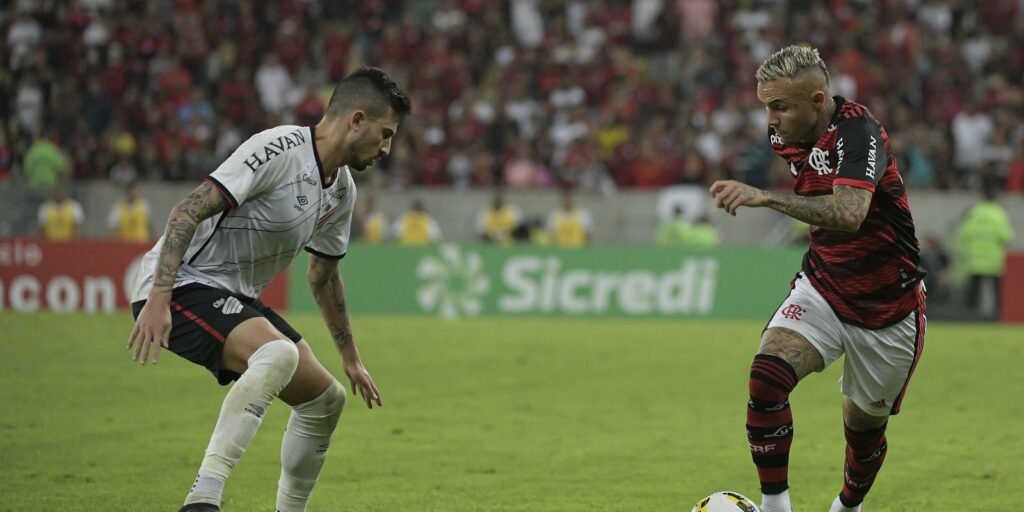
[[879, 362]]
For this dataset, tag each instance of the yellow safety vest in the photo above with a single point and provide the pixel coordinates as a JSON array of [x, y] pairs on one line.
[[498, 224], [133, 221], [414, 228], [59, 221], [373, 231], [569, 231]]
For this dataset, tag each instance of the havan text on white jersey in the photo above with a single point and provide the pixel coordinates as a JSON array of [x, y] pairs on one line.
[[279, 205]]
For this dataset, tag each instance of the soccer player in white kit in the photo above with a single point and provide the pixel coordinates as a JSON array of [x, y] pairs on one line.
[[284, 190]]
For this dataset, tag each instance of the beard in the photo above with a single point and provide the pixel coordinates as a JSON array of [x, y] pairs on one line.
[[361, 166], [358, 164]]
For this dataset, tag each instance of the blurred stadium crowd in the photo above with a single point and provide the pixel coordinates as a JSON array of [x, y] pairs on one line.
[[599, 94]]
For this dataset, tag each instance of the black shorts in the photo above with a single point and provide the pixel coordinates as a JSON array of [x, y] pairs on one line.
[[203, 316]]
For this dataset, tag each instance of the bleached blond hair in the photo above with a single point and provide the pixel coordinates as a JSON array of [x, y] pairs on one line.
[[789, 62]]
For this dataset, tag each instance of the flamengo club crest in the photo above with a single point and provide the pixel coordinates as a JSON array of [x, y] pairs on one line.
[[793, 311], [819, 161]]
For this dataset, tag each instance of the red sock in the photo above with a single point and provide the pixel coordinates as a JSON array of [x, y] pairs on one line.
[[770, 421], [865, 452]]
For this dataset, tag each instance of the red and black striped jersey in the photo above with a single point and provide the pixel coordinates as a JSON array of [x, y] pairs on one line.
[[870, 278]]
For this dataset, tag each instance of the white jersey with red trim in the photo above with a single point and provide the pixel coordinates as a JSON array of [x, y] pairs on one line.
[[279, 204]]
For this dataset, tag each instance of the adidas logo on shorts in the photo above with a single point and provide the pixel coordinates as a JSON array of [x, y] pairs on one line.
[[228, 306]]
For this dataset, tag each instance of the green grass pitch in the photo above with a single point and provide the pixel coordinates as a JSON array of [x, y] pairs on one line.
[[524, 414]]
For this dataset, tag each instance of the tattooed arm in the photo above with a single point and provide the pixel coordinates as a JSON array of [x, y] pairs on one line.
[[204, 202], [153, 325], [843, 210], [329, 292]]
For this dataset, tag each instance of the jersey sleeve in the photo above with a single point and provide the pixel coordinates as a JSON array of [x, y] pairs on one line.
[[861, 153], [331, 239], [250, 172]]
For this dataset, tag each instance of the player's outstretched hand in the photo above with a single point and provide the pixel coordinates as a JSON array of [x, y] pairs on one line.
[[152, 330], [361, 382], [730, 195]]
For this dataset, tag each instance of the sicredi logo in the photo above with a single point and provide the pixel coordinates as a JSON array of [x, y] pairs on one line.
[[541, 285], [455, 283]]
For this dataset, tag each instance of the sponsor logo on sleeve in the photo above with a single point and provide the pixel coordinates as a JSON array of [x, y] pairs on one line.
[[840, 152], [872, 156]]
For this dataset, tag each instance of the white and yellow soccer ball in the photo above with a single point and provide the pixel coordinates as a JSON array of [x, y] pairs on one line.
[[725, 501]]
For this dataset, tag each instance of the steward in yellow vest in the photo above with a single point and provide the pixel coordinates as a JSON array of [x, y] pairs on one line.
[[129, 217], [60, 216], [495, 223], [416, 227], [570, 226]]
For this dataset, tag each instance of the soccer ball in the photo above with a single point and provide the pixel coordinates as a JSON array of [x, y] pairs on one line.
[[725, 501]]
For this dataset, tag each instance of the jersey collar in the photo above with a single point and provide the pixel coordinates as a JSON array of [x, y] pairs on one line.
[[319, 164]]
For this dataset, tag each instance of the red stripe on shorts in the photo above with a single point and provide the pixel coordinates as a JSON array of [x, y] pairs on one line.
[[918, 349], [198, 321]]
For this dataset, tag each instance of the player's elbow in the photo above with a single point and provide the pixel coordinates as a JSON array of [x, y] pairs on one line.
[[180, 213], [849, 228], [320, 271], [852, 223]]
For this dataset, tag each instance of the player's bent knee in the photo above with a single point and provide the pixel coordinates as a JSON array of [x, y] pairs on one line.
[[281, 354], [244, 340], [284, 353], [793, 348], [335, 400], [859, 420], [320, 416], [332, 401]]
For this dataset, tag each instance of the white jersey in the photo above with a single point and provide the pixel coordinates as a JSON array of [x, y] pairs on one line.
[[279, 205]]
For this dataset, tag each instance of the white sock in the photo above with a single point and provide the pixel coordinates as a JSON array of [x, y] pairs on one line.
[[837, 506], [776, 502], [270, 369], [304, 447]]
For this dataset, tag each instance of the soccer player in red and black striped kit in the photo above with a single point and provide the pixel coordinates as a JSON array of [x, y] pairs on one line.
[[859, 293]]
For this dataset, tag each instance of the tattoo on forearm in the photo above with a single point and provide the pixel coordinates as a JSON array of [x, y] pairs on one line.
[[202, 203], [842, 210], [329, 292]]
